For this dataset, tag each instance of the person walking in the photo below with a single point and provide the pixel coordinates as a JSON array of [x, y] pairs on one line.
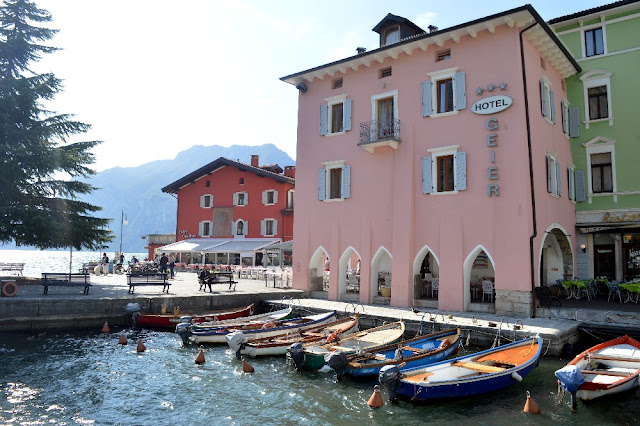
[[172, 264], [105, 264]]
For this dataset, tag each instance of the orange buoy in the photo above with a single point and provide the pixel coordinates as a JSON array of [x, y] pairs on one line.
[[122, 340], [375, 401], [200, 357], [141, 347], [9, 289], [105, 328], [246, 367], [530, 406]]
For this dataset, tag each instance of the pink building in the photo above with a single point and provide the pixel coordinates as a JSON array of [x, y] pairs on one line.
[[435, 171]]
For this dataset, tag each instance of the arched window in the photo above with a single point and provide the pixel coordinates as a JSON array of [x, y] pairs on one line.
[[240, 228]]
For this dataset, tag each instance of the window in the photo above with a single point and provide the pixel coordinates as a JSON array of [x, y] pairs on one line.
[[204, 228], [290, 195], [385, 72], [268, 227], [547, 101], [335, 115], [334, 181], [239, 228], [601, 173], [206, 201], [598, 102], [444, 94], [240, 199], [593, 42], [241, 181], [445, 171], [391, 35], [553, 175], [443, 55], [337, 83], [269, 197], [207, 183], [543, 64], [571, 181]]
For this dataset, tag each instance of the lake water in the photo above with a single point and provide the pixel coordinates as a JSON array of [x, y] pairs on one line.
[[86, 378], [38, 261]]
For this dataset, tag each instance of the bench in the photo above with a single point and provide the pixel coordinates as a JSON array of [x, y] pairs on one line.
[[12, 267], [613, 358], [135, 280], [218, 278], [478, 367], [50, 279]]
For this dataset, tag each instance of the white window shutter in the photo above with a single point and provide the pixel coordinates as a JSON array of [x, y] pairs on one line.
[[262, 227], [346, 182], [202, 201], [565, 118], [553, 106], [275, 227], [427, 185], [275, 197], [246, 228], [460, 163], [324, 109], [574, 122], [246, 199], [346, 108], [543, 99], [235, 198], [427, 108], [233, 228], [558, 183], [581, 192], [549, 174], [459, 91], [264, 197], [200, 228], [322, 176]]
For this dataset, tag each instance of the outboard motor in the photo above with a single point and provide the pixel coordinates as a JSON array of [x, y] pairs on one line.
[[571, 378], [186, 319], [184, 331], [389, 379], [338, 361], [236, 341], [296, 352]]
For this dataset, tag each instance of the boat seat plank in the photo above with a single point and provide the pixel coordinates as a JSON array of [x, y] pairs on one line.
[[605, 373], [409, 348], [423, 377], [614, 358], [478, 367]]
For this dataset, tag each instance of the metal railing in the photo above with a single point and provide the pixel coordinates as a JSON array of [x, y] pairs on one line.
[[379, 130]]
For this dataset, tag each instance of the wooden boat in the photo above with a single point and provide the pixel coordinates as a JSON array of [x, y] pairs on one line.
[[314, 354], [278, 345], [262, 329], [416, 352], [605, 369], [474, 374], [171, 320], [268, 316]]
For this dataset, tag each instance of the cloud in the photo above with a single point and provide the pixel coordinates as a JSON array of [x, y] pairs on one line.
[[345, 47], [425, 19]]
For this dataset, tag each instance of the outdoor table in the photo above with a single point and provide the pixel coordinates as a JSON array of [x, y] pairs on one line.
[[632, 292], [573, 287]]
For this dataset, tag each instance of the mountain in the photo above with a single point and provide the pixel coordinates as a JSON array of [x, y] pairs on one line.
[[136, 190]]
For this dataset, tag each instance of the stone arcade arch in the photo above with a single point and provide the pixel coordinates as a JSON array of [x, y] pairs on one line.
[[468, 269], [316, 269], [434, 265], [381, 262], [345, 261], [556, 256]]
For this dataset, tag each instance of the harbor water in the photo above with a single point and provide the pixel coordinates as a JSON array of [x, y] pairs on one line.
[[87, 378]]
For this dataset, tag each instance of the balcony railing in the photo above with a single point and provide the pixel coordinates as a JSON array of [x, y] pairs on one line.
[[376, 133]]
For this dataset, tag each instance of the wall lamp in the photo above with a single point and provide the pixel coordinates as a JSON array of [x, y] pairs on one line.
[[583, 247]]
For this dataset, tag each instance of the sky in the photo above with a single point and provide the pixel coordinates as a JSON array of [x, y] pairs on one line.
[[155, 77]]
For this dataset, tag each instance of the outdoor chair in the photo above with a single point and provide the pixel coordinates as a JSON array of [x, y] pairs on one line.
[[487, 290], [435, 286], [614, 289]]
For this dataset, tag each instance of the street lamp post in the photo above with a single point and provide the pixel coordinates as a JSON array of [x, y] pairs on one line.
[[123, 221]]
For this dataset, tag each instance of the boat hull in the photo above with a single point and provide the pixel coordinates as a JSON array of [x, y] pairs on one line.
[[169, 321]]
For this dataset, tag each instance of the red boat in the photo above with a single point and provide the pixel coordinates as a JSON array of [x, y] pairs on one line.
[[169, 321]]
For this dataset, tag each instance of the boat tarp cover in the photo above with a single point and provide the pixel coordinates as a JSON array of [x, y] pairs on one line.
[[570, 377]]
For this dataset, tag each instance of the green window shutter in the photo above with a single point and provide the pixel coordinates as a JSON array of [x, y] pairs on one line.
[[324, 109], [427, 185], [346, 108], [427, 109], [322, 177], [460, 161], [346, 182], [574, 122], [459, 90], [553, 106], [581, 191]]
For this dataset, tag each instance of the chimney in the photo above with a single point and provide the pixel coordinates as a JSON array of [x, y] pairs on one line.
[[255, 160], [290, 171], [361, 50], [432, 28]]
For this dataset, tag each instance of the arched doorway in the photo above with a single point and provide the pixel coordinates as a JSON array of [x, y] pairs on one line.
[[381, 274], [319, 270], [348, 287], [479, 281], [426, 278], [556, 257]]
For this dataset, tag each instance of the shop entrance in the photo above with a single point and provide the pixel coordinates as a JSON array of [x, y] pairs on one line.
[[631, 256], [604, 262]]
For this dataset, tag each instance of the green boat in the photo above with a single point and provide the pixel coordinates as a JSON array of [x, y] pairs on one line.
[[314, 354]]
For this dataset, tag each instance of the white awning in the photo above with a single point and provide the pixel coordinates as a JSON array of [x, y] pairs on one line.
[[218, 245]]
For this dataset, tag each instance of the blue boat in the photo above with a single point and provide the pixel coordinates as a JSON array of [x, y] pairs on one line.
[[416, 352], [474, 374]]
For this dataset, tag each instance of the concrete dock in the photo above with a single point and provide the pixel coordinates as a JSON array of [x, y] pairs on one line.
[[67, 308]]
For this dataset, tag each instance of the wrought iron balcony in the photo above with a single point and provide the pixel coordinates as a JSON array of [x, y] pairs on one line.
[[378, 133]]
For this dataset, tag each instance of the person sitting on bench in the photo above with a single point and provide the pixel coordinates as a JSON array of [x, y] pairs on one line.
[[204, 275]]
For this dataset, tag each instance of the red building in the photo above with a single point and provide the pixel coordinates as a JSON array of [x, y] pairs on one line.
[[228, 199]]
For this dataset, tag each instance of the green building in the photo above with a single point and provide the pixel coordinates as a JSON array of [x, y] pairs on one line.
[[602, 118]]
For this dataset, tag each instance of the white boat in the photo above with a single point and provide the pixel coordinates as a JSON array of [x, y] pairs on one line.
[[273, 316]]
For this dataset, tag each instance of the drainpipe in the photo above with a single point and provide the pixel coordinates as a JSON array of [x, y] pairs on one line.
[[533, 197]]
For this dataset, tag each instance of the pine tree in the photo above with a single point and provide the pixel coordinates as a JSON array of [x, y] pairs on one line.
[[39, 196]]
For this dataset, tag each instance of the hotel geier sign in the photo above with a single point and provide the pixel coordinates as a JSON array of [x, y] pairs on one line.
[[492, 105]]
